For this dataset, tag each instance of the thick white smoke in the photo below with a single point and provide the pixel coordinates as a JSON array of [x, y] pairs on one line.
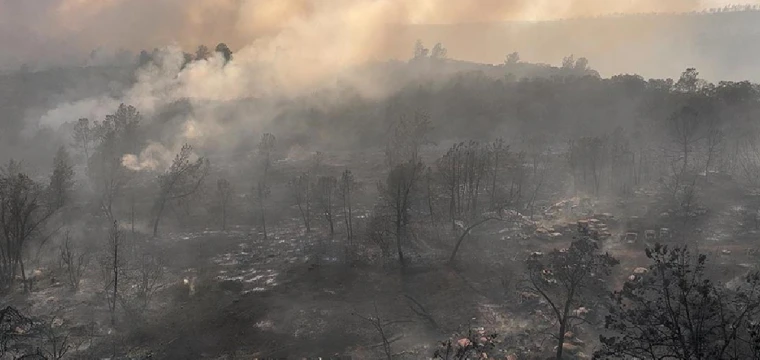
[[154, 157]]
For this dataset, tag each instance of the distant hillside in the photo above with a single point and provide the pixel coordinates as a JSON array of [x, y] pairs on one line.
[[720, 45]]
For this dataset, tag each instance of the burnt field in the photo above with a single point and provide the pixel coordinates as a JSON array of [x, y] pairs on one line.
[[232, 204], [233, 293]]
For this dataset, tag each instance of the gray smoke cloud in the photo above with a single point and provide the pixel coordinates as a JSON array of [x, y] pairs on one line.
[[283, 47]]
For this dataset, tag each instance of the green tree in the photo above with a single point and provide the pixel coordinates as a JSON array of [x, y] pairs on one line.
[[202, 53], [512, 59], [675, 311], [223, 49], [439, 52]]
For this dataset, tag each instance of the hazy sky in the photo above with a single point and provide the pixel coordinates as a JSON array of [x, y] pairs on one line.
[[46, 31]]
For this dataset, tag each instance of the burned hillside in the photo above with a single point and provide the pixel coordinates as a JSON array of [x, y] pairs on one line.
[[211, 203]]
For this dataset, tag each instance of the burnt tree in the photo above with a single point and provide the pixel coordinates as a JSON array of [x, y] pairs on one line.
[[261, 189], [182, 179], [23, 213], [565, 278], [325, 198], [397, 194], [224, 195], [302, 187]]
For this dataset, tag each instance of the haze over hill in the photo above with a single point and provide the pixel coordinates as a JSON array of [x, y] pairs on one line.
[[334, 34], [315, 47], [651, 45]]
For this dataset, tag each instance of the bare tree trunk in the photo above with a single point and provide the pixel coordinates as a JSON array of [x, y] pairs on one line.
[[350, 226], [634, 172], [535, 194], [305, 217], [399, 236], [475, 197], [115, 270], [561, 339], [328, 217], [132, 216], [350, 221], [224, 217], [115, 283], [159, 212], [263, 221], [464, 235], [563, 324], [454, 192], [308, 208], [8, 262], [86, 156], [493, 179], [346, 220], [453, 209], [430, 201], [20, 260]]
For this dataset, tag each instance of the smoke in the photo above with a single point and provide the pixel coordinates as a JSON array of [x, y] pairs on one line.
[[93, 108], [154, 157], [350, 29], [283, 47]]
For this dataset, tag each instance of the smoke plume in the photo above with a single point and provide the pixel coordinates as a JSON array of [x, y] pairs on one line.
[[154, 157], [283, 47]]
